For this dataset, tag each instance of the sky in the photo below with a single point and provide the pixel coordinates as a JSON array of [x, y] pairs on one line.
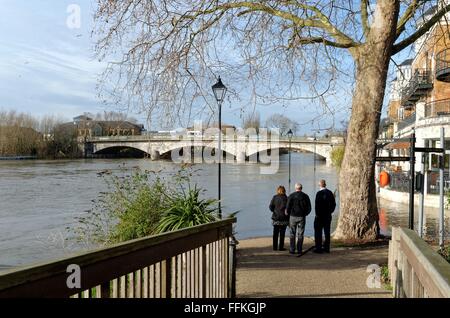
[[48, 66]]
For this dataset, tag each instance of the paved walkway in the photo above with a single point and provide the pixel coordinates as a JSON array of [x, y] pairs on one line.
[[262, 272]]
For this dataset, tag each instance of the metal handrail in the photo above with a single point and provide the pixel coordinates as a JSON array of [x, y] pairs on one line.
[[420, 80], [437, 108], [443, 63]]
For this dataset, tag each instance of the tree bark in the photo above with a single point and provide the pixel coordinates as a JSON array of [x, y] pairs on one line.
[[358, 219]]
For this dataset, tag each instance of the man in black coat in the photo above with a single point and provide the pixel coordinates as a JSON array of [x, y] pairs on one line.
[[298, 208], [325, 206]]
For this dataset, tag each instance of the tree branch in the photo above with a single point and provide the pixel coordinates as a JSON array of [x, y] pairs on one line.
[[314, 40], [365, 17], [409, 13], [319, 21], [421, 31]]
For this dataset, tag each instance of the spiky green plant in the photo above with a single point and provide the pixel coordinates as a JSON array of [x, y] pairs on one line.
[[187, 209]]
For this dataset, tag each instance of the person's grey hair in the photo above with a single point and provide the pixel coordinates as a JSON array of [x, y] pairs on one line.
[[298, 186], [323, 183]]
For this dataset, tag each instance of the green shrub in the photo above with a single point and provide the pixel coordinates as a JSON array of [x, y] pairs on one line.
[[337, 155], [141, 204], [187, 209]]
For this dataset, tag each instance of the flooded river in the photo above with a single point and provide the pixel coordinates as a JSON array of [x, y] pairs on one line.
[[40, 199]]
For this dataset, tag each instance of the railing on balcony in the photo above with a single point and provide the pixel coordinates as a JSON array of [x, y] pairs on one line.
[[437, 108], [195, 262], [408, 121], [418, 86], [443, 66]]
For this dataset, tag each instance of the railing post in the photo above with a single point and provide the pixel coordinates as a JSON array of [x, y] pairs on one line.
[[105, 291], [168, 277], [204, 271], [232, 283]]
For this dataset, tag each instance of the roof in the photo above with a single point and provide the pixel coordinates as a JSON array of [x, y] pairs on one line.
[[431, 10], [398, 145], [82, 117], [407, 62]]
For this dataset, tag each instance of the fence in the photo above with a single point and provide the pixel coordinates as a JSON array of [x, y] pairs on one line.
[[196, 262], [399, 181], [415, 269], [443, 65]]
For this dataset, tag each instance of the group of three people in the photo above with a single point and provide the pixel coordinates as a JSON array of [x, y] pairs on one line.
[[292, 211]]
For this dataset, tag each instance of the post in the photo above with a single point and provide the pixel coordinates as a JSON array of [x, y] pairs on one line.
[[441, 191], [422, 197], [220, 161], [411, 179], [314, 181], [232, 268], [289, 165]]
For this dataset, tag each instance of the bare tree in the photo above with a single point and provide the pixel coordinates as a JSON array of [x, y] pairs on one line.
[[252, 120], [173, 50], [114, 116], [283, 123]]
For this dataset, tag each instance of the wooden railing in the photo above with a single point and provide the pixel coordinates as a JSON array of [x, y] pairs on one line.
[[415, 269], [196, 262]]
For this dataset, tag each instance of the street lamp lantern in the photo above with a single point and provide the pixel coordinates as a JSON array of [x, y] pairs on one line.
[[219, 91], [290, 134]]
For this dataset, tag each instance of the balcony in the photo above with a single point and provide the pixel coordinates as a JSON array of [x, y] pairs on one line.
[[408, 121], [437, 108], [421, 82], [443, 66]]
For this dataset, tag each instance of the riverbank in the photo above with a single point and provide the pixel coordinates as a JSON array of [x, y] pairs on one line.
[[430, 200], [18, 158], [262, 272]]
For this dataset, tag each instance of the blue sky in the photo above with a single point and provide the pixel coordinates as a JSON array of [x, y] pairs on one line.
[[48, 68]]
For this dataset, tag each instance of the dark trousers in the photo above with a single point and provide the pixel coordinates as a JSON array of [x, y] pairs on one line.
[[278, 232], [322, 224], [297, 227]]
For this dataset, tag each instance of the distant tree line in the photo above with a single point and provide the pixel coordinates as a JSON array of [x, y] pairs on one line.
[[25, 135], [45, 137]]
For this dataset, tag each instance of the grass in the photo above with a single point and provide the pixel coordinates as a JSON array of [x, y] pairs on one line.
[[385, 280], [445, 253]]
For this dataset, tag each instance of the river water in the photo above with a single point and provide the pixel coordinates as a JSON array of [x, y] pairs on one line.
[[40, 199]]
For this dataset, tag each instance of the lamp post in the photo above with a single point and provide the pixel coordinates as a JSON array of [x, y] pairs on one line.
[[290, 134], [219, 91], [315, 141]]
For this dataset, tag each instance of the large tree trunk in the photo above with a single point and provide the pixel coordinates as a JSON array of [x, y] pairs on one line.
[[358, 219]]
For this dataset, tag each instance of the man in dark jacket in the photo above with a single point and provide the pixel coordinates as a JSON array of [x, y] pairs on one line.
[[298, 207], [325, 205]]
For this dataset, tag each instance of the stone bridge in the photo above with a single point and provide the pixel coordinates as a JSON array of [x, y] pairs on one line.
[[237, 148]]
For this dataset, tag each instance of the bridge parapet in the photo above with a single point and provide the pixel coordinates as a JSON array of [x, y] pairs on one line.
[[240, 147]]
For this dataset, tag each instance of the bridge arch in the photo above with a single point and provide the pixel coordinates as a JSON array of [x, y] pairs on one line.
[[120, 150], [322, 152], [205, 151]]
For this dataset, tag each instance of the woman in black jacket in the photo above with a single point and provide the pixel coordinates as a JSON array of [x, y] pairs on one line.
[[280, 220]]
